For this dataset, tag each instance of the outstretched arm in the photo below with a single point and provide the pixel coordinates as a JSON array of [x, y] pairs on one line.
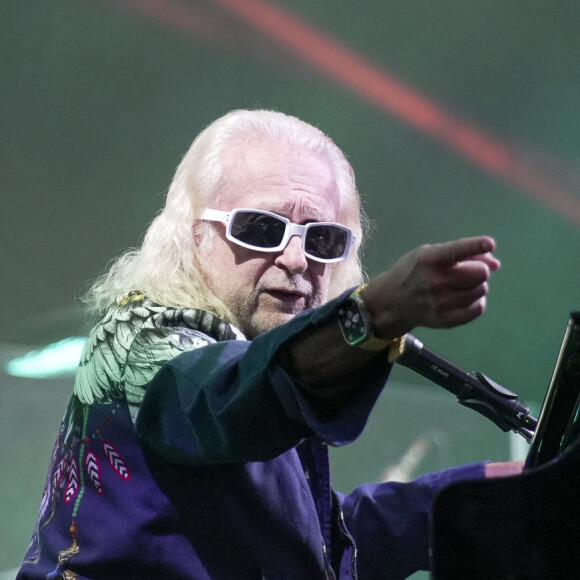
[[436, 286]]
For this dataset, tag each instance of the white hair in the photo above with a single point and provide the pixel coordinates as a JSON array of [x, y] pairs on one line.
[[166, 267]]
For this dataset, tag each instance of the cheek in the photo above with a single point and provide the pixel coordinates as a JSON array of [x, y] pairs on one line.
[[239, 269], [320, 277], [216, 259]]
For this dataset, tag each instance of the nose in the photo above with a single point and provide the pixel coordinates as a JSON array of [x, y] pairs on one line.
[[292, 257]]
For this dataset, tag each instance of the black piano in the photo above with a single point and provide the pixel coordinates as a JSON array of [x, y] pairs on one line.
[[527, 526]]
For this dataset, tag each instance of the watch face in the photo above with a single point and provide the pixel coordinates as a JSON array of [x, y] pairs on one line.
[[352, 322]]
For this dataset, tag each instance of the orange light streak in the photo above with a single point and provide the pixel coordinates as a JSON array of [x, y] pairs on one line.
[[378, 87], [394, 97]]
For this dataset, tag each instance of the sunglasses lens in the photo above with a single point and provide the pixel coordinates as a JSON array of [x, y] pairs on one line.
[[326, 242], [257, 229]]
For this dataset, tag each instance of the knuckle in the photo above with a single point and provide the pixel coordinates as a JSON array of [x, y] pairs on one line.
[[423, 253]]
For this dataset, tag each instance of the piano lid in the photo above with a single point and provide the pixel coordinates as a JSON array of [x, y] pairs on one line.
[[559, 421]]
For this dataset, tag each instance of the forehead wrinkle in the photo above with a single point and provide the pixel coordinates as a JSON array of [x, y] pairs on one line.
[[311, 208], [312, 189], [288, 188]]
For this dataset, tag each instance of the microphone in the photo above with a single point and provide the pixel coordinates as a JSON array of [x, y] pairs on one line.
[[473, 390]]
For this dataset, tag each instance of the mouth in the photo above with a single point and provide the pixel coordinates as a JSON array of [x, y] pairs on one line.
[[287, 298]]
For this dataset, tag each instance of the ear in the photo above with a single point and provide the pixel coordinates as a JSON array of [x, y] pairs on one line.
[[199, 232]]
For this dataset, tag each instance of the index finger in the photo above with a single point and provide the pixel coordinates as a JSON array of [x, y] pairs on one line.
[[450, 253]]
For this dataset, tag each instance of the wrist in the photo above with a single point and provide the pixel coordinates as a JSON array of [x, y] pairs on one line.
[[356, 324]]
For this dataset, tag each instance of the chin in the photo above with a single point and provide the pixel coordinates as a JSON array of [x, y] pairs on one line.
[[263, 324]]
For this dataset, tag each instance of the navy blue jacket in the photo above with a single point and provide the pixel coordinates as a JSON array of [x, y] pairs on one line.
[[214, 465]]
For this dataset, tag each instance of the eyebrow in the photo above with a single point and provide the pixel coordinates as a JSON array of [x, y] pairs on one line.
[[302, 223]]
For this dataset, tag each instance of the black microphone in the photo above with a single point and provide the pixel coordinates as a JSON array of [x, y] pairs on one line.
[[473, 390]]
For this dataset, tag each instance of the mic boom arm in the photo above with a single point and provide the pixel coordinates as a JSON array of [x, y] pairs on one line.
[[473, 390]]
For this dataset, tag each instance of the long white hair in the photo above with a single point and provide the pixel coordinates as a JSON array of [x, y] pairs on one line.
[[166, 267]]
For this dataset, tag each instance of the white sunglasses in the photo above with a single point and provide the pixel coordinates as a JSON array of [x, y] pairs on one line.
[[265, 231]]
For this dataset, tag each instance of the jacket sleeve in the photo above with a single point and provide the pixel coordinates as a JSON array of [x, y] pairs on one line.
[[390, 521], [233, 401]]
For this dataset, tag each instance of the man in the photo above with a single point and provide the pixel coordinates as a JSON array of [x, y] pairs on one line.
[[214, 465]]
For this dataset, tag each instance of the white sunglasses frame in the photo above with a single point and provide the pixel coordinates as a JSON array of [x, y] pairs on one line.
[[292, 229]]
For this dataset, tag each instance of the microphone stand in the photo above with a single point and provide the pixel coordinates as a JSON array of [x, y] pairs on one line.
[[473, 390]]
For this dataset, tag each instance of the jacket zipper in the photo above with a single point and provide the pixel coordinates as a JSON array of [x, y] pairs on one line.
[[346, 534]]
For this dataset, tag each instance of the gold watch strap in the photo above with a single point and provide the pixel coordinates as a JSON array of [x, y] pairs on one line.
[[395, 346]]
